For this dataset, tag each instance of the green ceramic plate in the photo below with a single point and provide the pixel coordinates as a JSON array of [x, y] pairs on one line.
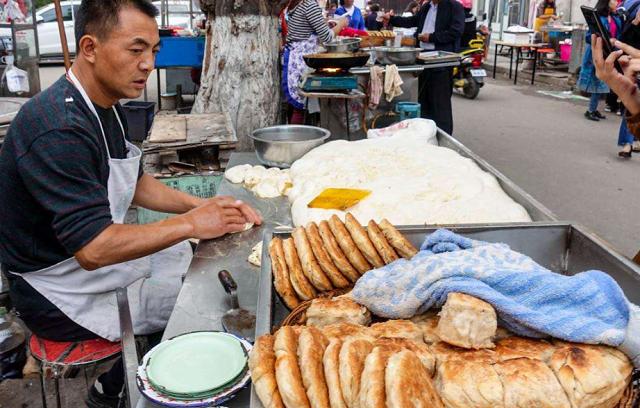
[[196, 363]]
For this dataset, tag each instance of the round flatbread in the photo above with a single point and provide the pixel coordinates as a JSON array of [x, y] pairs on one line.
[[353, 353], [311, 346], [331, 362], [362, 241], [407, 383], [310, 266], [336, 254], [288, 375], [381, 244], [300, 283], [281, 280], [323, 257], [347, 245], [397, 240], [262, 363]]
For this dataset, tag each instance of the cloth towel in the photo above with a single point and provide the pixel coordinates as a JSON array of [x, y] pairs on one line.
[[529, 299], [392, 82], [375, 85]]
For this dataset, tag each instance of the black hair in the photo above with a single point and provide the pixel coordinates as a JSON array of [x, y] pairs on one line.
[[411, 6], [99, 17], [602, 7], [374, 7]]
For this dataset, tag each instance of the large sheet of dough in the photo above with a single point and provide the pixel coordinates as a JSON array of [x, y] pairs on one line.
[[412, 182]]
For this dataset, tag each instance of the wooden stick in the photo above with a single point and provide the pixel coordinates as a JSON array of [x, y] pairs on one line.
[[63, 35]]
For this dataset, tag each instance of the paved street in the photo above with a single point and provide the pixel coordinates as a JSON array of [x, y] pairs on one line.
[[568, 163], [547, 147]]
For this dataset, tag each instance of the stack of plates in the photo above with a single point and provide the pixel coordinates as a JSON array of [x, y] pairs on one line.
[[195, 369]]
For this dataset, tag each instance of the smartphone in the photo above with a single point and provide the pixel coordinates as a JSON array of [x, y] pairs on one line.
[[595, 26]]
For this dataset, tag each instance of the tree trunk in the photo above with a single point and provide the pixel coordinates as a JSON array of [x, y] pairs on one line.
[[240, 71]]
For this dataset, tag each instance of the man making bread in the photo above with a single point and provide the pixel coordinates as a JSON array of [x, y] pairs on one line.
[[69, 176]]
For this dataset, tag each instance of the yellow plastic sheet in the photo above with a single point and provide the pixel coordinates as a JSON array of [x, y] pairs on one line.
[[338, 198]]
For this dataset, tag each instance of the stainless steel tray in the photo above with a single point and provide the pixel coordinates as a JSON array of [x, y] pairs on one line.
[[443, 56], [561, 247]]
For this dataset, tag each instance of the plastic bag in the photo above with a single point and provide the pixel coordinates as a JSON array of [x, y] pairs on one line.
[[17, 79], [424, 127]]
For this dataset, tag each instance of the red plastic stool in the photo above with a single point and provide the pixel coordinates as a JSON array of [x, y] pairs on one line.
[[542, 52], [59, 355]]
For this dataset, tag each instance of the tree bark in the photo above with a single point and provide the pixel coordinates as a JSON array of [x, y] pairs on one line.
[[240, 71]]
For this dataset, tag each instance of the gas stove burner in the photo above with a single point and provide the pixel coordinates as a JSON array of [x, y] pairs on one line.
[[331, 71], [321, 81]]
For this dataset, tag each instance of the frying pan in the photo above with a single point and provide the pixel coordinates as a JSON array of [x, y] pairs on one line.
[[343, 60]]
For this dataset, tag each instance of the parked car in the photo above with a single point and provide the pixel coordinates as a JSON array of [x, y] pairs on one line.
[[49, 36]]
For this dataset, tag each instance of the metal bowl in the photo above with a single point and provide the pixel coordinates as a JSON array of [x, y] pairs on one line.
[[280, 146], [343, 45], [397, 55]]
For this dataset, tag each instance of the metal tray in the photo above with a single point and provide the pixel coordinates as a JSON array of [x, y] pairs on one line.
[[442, 56], [565, 248]]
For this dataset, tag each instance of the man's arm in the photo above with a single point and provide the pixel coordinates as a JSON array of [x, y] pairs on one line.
[[120, 243], [405, 22], [153, 195], [454, 30]]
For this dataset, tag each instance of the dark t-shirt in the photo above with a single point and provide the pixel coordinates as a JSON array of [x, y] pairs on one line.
[[53, 189]]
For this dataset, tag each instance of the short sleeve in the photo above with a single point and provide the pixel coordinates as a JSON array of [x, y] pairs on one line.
[[61, 170]]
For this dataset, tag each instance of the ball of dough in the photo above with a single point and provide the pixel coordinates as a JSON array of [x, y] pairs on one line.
[[236, 174], [267, 188], [254, 175]]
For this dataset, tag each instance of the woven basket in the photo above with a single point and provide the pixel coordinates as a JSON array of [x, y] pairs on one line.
[[631, 397], [298, 316]]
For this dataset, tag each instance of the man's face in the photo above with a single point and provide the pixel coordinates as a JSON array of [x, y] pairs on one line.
[[125, 58], [348, 3]]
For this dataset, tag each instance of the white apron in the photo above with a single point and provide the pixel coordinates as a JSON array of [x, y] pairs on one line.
[[153, 282]]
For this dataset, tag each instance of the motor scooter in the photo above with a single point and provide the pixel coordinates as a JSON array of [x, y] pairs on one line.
[[469, 76]]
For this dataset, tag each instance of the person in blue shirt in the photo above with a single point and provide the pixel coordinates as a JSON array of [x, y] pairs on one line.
[[355, 15]]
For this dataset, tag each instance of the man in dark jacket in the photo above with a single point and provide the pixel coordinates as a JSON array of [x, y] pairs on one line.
[[439, 24]]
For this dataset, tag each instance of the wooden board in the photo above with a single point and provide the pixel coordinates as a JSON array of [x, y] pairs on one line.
[[206, 125], [169, 128], [207, 129]]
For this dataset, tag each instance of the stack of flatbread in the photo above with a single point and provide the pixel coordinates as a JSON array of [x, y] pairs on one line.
[[406, 363], [332, 255]]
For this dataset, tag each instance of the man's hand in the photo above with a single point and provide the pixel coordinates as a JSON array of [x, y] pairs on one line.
[[424, 37], [624, 85], [387, 16], [636, 19], [342, 23], [219, 216]]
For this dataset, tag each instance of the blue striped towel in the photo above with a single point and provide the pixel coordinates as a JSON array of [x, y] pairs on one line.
[[530, 300]]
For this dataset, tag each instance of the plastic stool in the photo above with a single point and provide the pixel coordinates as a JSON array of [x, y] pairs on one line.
[[59, 355], [408, 110]]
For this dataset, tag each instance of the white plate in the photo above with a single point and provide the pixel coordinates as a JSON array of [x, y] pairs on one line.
[[478, 73]]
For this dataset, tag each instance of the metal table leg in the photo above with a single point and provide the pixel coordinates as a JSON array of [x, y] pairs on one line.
[[346, 111], [518, 51], [510, 61], [159, 92], [535, 65], [129, 352], [495, 61]]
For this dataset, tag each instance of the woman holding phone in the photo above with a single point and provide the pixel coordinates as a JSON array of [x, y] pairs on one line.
[[588, 82], [624, 84]]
